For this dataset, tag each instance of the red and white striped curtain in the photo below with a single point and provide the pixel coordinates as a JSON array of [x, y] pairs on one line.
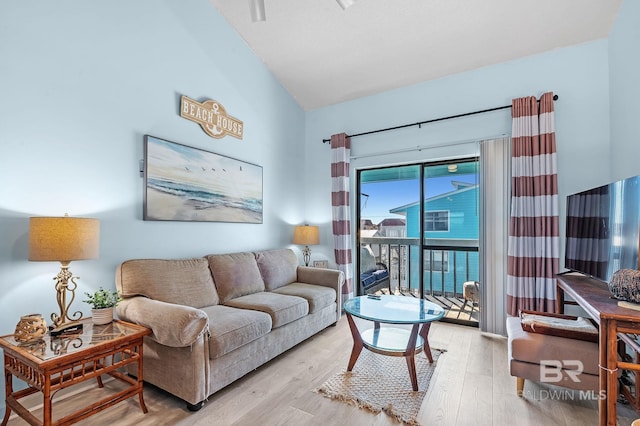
[[340, 152], [533, 225]]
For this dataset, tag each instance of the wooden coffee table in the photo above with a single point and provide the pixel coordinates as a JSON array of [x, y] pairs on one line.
[[55, 363], [392, 341]]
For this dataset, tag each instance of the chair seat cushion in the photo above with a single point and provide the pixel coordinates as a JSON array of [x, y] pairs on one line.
[[282, 308], [534, 348], [231, 328], [318, 297]]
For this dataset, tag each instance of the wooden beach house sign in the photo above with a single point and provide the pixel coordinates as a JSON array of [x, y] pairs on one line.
[[212, 117]]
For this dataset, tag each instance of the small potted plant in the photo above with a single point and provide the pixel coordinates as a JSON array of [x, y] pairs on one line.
[[102, 303]]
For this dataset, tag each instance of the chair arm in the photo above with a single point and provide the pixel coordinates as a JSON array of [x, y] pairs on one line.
[[171, 325]]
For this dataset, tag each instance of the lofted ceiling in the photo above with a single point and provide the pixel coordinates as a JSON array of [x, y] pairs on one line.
[[324, 55]]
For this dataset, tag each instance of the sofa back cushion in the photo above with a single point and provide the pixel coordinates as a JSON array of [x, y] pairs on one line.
[[277, 267], [181, 281], [235, 274]]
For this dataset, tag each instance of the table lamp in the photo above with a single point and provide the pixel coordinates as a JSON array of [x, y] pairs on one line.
[[306, 235], [64, 239]]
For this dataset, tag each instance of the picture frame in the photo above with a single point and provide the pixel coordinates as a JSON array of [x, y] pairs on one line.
[[183, 183], [321, 264]]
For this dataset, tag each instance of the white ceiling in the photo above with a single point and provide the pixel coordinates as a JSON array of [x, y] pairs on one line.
[[324, 55]]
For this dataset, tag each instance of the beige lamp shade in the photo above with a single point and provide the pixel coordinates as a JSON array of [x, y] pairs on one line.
[[63, 239], [306, 235]]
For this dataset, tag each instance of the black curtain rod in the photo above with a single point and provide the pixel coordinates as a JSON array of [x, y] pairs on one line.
[[420, 123]]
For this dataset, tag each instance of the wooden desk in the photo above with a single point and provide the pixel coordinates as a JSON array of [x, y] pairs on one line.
[[594, 297], [55, 363]]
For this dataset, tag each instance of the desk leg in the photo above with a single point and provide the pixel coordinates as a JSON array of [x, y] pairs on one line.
[[612, 374], [602, 348], [8, 390], [357, 343]]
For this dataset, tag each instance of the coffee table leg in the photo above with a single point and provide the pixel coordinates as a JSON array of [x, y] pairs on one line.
[[357, 343], [409, 356], [411, 365], [424, 333]]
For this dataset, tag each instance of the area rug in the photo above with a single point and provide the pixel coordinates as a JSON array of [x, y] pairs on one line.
[[381, 383]]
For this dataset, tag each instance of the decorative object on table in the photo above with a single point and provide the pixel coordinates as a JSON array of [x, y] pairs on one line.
[[102, 303], [380, 383], [212, 117], [31, 328], [188, 184], [625, 285], [64, 239], [306, 235], [321, 264]]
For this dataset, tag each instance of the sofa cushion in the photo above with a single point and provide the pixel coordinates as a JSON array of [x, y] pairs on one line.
[[282, 308], [231, 328], [278, 267], [318, 297], [180, 281], [235, 274]]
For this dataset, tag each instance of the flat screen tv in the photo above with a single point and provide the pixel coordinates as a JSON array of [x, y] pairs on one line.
[[602, 229]]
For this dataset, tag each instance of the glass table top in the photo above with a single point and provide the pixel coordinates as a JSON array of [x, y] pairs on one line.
[[393, 309], [91, 335]]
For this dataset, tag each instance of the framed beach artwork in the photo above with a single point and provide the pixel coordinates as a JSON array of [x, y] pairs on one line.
[[182, 183]]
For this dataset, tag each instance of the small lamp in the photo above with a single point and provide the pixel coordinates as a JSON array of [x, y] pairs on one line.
[[306, 235], [64, 239]]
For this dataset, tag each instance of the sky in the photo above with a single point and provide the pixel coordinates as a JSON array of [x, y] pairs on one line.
[[384, 196]]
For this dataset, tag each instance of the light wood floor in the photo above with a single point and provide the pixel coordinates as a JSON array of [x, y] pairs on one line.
[[471, 386]]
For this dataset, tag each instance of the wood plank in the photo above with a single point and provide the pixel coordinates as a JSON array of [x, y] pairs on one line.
[[471, 385]]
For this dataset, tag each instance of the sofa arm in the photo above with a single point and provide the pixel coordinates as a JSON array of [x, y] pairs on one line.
[[320, 276], [171, 325]]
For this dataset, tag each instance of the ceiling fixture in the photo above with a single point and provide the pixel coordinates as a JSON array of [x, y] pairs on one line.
[[257, 10], [344, 4], [452, 168]]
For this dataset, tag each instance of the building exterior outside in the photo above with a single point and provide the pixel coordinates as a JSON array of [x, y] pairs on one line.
[[450, 220]]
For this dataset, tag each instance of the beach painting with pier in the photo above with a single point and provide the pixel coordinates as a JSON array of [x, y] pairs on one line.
[[183, 183]]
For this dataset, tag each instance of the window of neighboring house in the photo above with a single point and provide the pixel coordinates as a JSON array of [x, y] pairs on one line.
[[436, 260], [436, 221]]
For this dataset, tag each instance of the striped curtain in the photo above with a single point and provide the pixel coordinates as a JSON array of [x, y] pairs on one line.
[[340, 152], [533, 244]]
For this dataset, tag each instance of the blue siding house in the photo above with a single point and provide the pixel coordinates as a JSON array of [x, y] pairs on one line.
[[450, 219]]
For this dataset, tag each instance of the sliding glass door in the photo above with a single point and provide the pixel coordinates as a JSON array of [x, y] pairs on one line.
[[418, 233]]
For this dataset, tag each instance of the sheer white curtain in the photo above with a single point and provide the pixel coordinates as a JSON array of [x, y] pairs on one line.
[[494, 221]]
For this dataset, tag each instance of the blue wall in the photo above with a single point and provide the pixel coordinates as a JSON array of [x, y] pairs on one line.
[[81, 83], [578, 74], [624, 63]]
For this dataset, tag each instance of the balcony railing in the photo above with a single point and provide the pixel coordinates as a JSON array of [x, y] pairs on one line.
[[447, 264]]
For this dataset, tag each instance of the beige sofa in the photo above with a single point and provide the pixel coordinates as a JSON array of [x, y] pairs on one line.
[[216, 318]]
